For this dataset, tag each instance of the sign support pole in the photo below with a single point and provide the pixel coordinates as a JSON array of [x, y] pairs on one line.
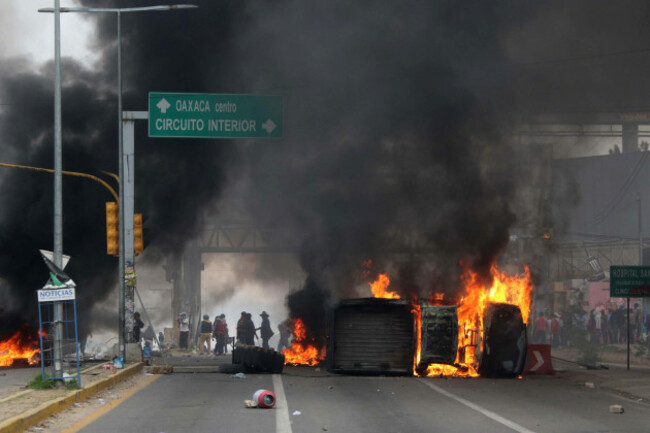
[[127, 205], [628, 334]]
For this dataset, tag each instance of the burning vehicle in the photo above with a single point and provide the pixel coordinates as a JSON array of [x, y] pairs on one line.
[[380, 336], [481, 333], [371, 336]]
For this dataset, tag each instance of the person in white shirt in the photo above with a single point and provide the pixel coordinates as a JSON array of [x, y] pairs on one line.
[[184, 331]]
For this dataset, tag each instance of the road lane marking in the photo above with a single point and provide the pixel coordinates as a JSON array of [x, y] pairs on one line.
[[282, 421], [109, 406], [498, 418]]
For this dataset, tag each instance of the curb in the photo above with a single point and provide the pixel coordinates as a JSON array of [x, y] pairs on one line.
[[31, 417]]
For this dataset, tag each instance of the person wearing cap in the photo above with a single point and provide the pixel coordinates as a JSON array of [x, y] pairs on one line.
[[265, 330], [206, 335]]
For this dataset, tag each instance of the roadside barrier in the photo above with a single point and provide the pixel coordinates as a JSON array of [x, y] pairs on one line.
[[538, 359]]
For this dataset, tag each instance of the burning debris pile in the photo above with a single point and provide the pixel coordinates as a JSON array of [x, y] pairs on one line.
[[302, 350], [20, 349]]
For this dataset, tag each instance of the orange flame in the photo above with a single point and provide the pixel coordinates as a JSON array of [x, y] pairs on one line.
[[379, 286], [19, 346], [505, 288], [300, 352]]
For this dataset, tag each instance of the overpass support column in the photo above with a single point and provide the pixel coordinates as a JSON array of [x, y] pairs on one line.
[[630, 137], [192, 267]]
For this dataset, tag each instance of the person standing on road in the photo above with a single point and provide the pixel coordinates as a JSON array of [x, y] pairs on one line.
[[617, 324], [556, 329], [250, 333], [220, 333], [138, 324], [205, 335], [285, 329], [598, 324], [604, 326], [161, 341], [241, 329], [539, 331], [265, 330], [183, 331]]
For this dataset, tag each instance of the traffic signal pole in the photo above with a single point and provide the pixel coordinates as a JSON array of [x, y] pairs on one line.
[[127, 203]]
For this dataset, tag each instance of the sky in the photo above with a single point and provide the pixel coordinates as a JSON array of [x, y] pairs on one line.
[[30, 34]]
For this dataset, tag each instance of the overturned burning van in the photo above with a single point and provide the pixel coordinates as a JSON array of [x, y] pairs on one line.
[[391, 336], [371, 336]]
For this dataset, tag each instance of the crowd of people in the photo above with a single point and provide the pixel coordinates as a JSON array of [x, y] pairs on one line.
[[602, 325], [246, 333]]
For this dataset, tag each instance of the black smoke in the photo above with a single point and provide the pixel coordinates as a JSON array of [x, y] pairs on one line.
[[397, 117], [175, 180]]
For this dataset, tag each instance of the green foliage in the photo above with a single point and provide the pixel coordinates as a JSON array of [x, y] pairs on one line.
[[71, 384], [579, 338], [40, 384]]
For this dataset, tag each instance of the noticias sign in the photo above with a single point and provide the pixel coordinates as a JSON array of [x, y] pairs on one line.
[[51, 295]]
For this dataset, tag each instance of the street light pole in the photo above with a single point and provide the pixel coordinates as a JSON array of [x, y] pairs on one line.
[[123, 338], [126, 255], [57, 365]]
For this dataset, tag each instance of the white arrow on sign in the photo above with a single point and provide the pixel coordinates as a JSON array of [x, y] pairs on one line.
[[540, 361], [268, 126], [163, 105]]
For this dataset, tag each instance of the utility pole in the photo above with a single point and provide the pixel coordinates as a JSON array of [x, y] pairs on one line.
[[57, 366]]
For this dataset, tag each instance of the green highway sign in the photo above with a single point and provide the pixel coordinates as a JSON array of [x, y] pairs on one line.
[[197, 115], [629, 281]]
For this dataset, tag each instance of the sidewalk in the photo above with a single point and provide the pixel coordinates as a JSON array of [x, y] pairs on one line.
[[612, 374], [27, 407]]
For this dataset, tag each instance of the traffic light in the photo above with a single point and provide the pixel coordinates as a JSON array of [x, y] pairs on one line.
[[138, 235], [112, 229]]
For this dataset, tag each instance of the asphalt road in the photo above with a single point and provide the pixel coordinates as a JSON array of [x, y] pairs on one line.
[[333, 403]]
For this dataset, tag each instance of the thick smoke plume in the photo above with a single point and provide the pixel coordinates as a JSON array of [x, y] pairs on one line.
[[175, 181], [396, 122], [392, 118]]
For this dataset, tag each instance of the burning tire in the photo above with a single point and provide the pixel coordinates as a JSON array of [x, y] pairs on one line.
[[258, 360], [504, 341]]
